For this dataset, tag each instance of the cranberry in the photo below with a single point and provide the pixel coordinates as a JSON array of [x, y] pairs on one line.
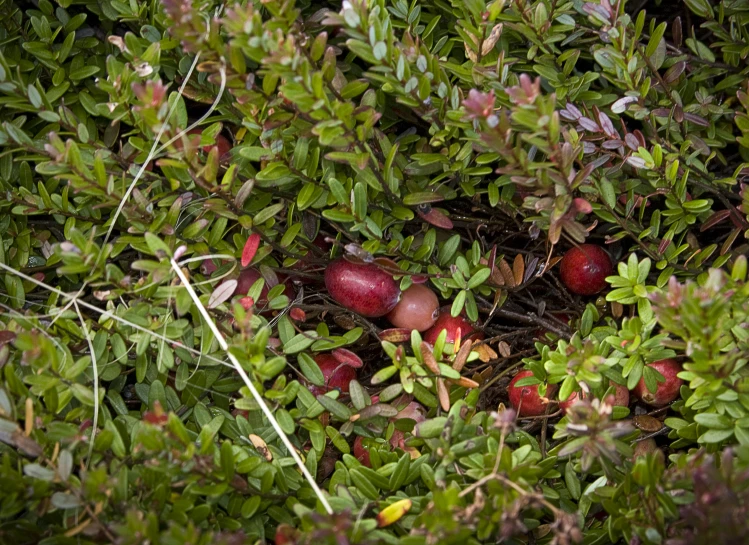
[[452, 325], [248, 277], [361, 452], [621, 398], [363, 446], [584, 269], [363, 288], [417, 309], [526, 399], [308, 261], [337, 375], [666, 391]]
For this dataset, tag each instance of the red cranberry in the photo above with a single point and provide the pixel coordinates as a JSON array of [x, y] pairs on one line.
[[452, 325], [363, 446], [307, 262], [526, 399], [621, 398], [584, 269], [337, 375], [666, 391], [363, 288], [248, 277], [417, 309], [361, 452]]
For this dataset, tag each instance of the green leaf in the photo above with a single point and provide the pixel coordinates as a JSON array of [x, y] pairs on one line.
[[424, 197], [655, 39], [310, 369], [479, 277], [363, 485], [398, 477], [336, 408], [83, 72], [300, 342], [714, 421], [715, 436], [572, 481]]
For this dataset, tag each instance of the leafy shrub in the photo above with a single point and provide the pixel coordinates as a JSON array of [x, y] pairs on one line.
[[461, 145]]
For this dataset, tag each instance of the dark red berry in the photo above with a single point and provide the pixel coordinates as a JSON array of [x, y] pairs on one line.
[[363, 447], [248, 277], [337, 375], [526, 399], [621, 398], [584, 269], [666, 391], [307, 263], [417, 309], [452, 325], [361, 452], [363, 288]]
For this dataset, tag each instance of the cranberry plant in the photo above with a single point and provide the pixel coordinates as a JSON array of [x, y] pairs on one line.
[[209, 216]]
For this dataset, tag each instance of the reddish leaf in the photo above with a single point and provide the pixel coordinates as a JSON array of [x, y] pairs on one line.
[[697, 120], [589, 124], [154, 419], [673, 73], [465, 382], [443, 394], [395, 335], [462, 356], [608, 127], [429, 361], [435, 217], [729, 241], [347, 357], [298, 314], [714, 219], [250, 249], [518, 268], [632, 142]]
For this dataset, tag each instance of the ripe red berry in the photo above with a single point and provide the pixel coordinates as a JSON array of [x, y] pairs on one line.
[[337, 375], [526, 399], [584, 269], [417, 309], [361, 452], [306, 263], [666, 391], [363, 288], [248, 277], [621, 398], [363, 447], [452, 325]]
